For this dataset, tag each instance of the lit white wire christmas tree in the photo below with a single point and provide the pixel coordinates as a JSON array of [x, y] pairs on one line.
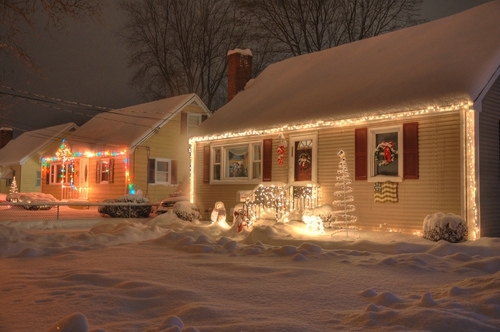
[[343, 182], [13, 186]]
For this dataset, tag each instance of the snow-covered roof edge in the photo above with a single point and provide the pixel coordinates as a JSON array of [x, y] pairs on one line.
[[478, 102], [29, 143], [65, 128], [191, 99]]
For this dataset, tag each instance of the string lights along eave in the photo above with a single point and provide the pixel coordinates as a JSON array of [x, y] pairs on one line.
[[431, 110]]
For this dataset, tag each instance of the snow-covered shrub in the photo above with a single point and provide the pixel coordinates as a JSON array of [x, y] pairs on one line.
[[32, 198], [449, 227], [187, 211], [131, 211]]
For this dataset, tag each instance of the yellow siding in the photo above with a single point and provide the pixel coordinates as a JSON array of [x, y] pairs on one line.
[[28, 176], [101, 191], [437, 190], [166, 143]]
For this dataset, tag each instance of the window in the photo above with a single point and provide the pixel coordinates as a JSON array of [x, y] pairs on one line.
[[60, 173], [190, 121], [384, 160], [38, 178], [162, 171], [387, 154], [105, 170], [237, 162]]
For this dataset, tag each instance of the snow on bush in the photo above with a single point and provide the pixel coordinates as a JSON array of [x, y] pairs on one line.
[[127, 211], [186, 211], [449, 227], [32, 198]]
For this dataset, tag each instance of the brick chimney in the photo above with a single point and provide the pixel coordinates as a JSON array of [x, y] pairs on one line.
[[6, 135], [239, 71]]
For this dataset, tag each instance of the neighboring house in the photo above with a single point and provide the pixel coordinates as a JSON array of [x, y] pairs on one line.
[[20, 157], [417, 112], [142, 147]]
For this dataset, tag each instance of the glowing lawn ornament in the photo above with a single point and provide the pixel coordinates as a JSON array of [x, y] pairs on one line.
[[344, 181]]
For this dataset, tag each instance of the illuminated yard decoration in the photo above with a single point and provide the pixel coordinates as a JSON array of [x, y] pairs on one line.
[[283, 201], [343, 182]]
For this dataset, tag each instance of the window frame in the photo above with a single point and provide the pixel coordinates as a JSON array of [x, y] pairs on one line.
[[219, 161], [372, 133], [54, 174], [189, 127], [104, 170], [169, 163]]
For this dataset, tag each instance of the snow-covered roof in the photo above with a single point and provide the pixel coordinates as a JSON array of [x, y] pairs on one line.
[[434, 64], [19, 150], [128, 127]]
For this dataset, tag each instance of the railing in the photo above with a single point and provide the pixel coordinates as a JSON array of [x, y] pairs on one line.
[[281, 201], [19, 211], [73, 192]]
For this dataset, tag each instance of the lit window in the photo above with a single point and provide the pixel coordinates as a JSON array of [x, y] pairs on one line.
[[385, 162], [104, 171], [237, 162], [60, 173]]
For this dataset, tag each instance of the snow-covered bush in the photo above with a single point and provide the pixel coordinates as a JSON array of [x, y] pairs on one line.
[[127, 211], [186, 211], [449, 227], [32, 198]]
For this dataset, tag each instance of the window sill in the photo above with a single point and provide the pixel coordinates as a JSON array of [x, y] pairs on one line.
[[385, 178]]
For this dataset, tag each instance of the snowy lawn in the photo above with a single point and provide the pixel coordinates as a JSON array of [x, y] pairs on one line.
[[166, 274]]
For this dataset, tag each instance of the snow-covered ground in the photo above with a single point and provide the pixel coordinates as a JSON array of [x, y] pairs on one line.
[[165, 274]]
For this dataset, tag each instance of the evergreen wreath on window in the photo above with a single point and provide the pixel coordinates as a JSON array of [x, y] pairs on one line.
[[385, 152]]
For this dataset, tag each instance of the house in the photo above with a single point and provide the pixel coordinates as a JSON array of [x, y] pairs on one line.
[[142, 147], [416, 111], [20, 157]]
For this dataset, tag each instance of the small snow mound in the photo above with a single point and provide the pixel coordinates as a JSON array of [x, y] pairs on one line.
[[389, 261], [299, 258], [230, 245], [372, 308], [171, 321], [453, 291], [427, 300], [387, 298], [223, 240], [76, 322], [285, 250], [203, 239], [369, 293], [311, 247]]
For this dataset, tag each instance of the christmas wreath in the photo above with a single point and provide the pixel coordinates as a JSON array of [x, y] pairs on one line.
[[385, 152]]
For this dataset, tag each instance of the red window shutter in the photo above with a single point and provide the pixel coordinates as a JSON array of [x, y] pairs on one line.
[[410, 150], [361, 153], [98, 171], [184, 123], [206, 164], [151, 170], [267, 159], [173, 176], [112, 170]]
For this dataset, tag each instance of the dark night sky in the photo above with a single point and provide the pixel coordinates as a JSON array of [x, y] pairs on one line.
[[86, 63]]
